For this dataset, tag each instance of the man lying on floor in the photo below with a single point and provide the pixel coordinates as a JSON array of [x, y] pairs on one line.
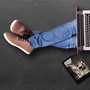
[[27, 40]]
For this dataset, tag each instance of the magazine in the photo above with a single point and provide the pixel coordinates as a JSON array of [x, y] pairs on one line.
[[78, 67]]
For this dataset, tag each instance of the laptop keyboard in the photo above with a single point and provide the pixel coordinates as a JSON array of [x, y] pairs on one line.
[[87, 30], [80, 29]]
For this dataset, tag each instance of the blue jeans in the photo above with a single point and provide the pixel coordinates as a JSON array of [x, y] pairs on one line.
[[63, 36]]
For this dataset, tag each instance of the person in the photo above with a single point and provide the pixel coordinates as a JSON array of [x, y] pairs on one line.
[[63, 36]]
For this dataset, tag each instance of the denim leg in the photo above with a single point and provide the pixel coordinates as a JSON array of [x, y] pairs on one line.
[[69, 43], [53, 36]]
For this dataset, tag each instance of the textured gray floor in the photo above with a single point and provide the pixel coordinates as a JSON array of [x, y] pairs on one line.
[[43, 69]]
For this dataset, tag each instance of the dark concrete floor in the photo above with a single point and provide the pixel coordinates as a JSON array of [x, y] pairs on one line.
[[42, 69]]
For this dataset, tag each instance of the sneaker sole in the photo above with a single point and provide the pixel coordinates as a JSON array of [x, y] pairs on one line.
[[12, 25], [15, 44]]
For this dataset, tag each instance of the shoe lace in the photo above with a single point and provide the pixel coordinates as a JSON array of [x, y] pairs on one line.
[[26, 33], [22, 39]]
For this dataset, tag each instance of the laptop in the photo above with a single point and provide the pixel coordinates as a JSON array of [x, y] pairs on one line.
[[83, 29]]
